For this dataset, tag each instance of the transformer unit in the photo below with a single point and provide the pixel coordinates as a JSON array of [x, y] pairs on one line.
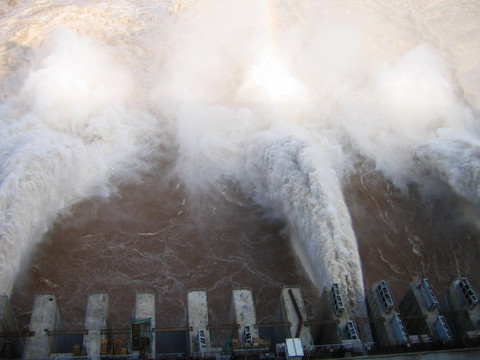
[[337, 300]]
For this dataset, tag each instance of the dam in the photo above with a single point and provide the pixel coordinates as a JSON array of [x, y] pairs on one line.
[[419, 327], [197, 149]]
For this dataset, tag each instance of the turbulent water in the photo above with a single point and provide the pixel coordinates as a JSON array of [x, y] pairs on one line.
[[172, 145]]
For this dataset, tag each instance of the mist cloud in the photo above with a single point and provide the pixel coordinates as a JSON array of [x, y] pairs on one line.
[[302, 64], [73, 130], [337, 82]]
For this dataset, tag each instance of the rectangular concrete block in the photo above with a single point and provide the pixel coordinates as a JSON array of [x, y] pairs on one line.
[[96, 320], [294, 312], [330, 316], [421, 305], [45, 317], [198, 321], [387, 322], [461, 310], [245, 316]]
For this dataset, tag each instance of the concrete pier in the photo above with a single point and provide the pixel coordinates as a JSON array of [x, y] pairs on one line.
[[96, 320], [45, 318], [337, 327], [11, 343], [145, 309], [198, 322], [245, 316], [424, 319], [292, 310], [290, 336], [387, 323], [333, 310], [461, 308]]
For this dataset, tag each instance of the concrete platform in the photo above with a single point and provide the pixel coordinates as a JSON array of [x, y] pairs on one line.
[[95, 321], [198, 321], [293, 311], [45, 318], [245, 316]]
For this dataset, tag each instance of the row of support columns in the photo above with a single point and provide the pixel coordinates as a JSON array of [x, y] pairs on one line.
[[46, 326], [45, 323]]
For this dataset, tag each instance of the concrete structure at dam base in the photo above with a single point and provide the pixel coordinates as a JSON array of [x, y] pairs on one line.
[[420, 327]]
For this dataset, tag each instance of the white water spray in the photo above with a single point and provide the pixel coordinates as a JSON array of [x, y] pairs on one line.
[[71, 132], [292, 176]]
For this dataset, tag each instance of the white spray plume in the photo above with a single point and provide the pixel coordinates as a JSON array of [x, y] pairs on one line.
[[403, 106], [69, 132], [295, 178], [247, 70], [242, 114]]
